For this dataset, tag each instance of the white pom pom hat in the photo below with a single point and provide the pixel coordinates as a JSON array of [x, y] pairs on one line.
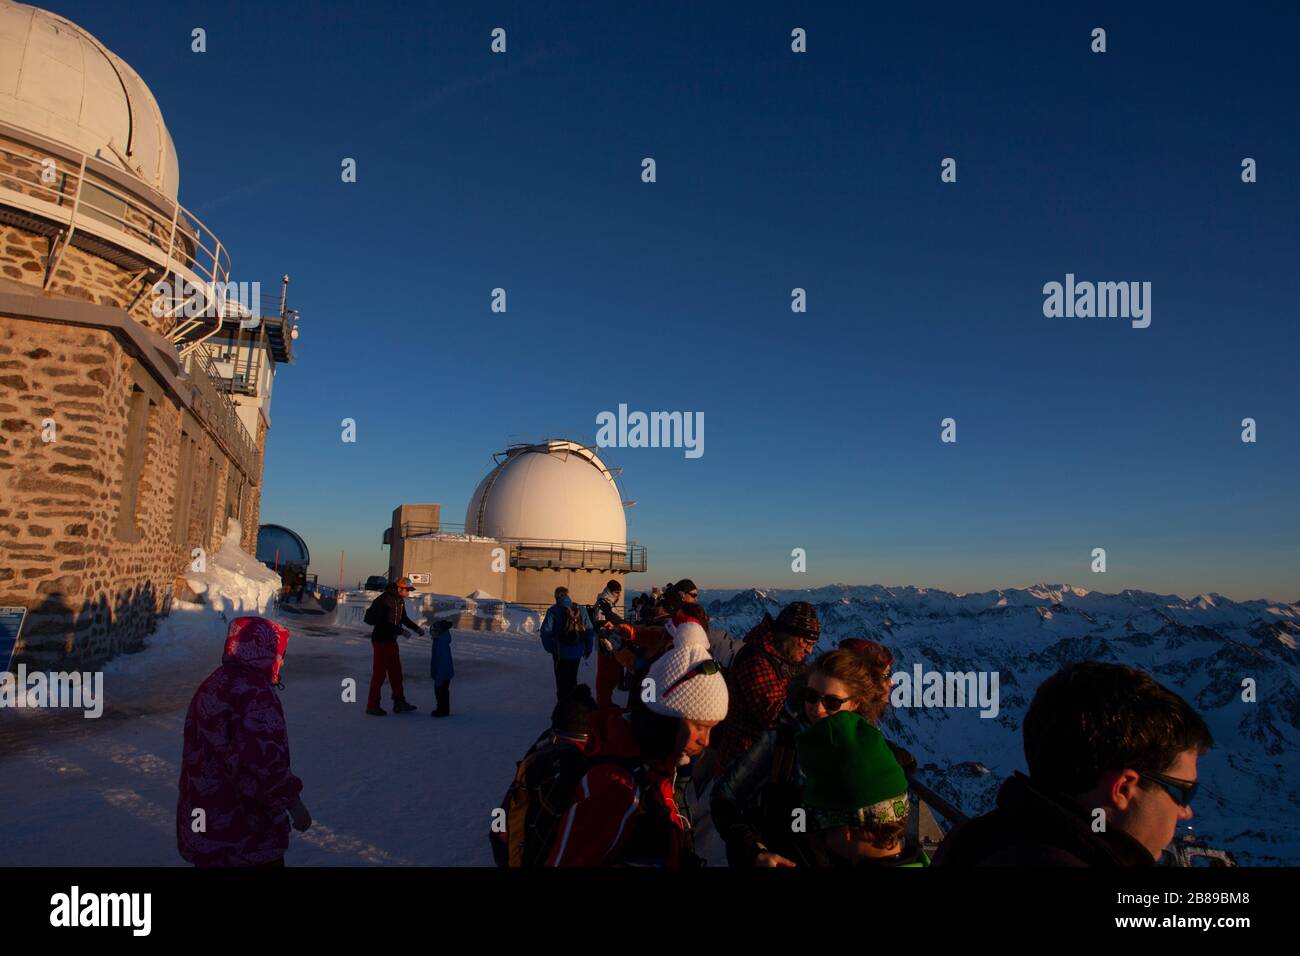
[[698, 696]]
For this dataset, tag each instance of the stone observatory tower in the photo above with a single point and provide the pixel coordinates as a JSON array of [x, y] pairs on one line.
[[134, 387], [550, 514]]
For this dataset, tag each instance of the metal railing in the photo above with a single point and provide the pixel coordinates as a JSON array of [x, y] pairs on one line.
[[948, 810], [578, 555], [540, 553], [237, 355], [244, 360], [218, 412], [80, 193]]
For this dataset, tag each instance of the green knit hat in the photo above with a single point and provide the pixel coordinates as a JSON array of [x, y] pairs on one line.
[[851, 774]]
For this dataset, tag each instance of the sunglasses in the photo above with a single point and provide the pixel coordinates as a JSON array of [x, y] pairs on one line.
[[703, 667], [1182, 792], [832, 704]]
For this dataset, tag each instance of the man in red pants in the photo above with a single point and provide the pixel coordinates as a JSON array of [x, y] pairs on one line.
[[388, 615]]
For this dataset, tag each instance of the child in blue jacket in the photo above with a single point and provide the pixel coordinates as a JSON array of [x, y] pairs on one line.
[[440, 668]]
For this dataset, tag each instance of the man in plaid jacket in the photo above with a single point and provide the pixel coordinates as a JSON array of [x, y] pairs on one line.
[[759, 679]]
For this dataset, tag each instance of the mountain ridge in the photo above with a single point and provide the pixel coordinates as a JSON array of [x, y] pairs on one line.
[[1210, 649]]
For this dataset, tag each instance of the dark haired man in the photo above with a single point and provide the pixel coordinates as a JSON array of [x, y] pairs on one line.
[[1112, 769]]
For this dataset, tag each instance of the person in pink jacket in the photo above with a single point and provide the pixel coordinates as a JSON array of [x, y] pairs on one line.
[[237, 794]]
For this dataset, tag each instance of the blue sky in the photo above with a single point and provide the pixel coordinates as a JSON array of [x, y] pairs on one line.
[[775, 170]]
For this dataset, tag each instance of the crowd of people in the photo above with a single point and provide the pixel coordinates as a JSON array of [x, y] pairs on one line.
[[774, 748], [781, 754]]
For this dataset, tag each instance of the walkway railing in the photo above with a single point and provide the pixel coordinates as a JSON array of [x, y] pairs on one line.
[[540, 553], [212, 405], [79, 193]]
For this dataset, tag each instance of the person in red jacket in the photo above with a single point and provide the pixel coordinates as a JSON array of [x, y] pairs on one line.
[[625, 812], [237, 793]]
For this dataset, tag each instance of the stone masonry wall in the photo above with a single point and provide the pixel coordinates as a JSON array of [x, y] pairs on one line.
[[90, 594]]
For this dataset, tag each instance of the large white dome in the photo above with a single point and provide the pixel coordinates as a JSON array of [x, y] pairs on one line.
[[59, 81], [554, 491]]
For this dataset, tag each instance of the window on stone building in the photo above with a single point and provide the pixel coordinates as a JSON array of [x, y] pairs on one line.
[[133, 463], [184, 489], [234, 494], [211, 477]]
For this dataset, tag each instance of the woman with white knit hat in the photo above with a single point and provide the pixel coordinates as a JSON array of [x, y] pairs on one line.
[[625, 811]]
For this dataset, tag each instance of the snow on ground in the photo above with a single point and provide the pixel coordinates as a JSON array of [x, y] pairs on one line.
[[401, 789]]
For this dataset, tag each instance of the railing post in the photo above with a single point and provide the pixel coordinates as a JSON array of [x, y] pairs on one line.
[[171, 236], [72, 225]]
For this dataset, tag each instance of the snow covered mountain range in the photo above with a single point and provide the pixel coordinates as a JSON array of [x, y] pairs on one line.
[[1203, 649]]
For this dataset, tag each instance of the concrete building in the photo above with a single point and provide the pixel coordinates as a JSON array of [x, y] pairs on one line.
[[548, 514], [134, 392]]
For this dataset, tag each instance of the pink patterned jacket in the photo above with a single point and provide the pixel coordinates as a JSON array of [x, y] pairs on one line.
[[235, 767]]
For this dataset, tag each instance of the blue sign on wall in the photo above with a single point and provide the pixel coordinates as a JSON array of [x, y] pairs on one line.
[[11, 625]]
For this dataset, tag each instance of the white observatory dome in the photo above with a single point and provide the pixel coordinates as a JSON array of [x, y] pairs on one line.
[[60, 82], [554, 491]]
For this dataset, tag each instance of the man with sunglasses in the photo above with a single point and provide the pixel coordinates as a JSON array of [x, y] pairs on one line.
[[687, 591], [1112, 770], [759, 680], [388, 616]]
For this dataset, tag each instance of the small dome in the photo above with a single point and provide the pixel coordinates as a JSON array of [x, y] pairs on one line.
[[553, 491], [60, 82], [276, 544]]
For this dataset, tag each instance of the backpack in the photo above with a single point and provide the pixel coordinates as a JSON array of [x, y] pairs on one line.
[[374, 614], [571, 629], [759, 631], [540, 795]]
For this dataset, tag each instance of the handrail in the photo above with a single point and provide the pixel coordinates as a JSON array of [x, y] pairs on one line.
[[220, 411], [948, 810], [539, 553], [85, 196], [412, 528]]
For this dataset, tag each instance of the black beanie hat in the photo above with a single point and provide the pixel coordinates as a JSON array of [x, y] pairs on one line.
[[799, 617], [570, 714]]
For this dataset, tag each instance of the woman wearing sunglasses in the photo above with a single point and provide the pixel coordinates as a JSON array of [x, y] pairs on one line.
[[752, 802]]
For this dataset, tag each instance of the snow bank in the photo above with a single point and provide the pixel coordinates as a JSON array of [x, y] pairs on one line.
[[234, 581], [479, 611], [189, 631]]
